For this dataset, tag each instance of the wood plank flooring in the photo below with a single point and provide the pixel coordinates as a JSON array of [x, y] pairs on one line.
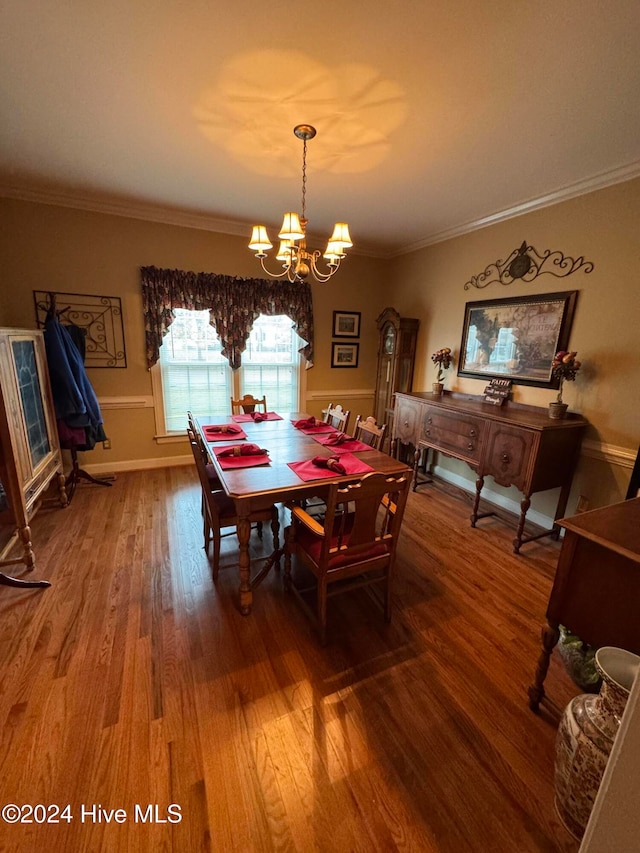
[[134, 682]]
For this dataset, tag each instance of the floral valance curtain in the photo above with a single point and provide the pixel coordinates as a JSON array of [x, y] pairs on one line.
[[233, 303]]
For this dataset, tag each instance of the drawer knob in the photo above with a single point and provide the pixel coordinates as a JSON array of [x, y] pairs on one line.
[[506, 457], [470, 446], [427, 432], [472, 433], [429, 421], [406, 423]]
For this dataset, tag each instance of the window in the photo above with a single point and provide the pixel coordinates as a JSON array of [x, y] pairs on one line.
[[196, 376]]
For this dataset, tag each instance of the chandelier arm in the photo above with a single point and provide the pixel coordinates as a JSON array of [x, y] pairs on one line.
[[319, 274], [275, 274]]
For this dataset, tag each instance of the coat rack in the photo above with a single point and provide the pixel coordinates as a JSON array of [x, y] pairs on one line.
[[62, 361]]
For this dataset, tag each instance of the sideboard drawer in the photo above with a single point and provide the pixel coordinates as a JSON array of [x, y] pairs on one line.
[[455, 433]]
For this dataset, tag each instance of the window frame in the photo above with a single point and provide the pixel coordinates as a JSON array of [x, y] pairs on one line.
[[163, 436]]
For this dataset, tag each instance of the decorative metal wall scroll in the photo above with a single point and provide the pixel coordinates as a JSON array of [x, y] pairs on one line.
[[527, 263], [99, 317]]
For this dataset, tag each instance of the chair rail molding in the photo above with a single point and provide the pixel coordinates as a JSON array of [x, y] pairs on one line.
[[611, 453], [352, 393], [138, 402]]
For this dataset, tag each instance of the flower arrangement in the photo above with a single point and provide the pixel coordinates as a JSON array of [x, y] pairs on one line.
[[443, 359], [564, 367]]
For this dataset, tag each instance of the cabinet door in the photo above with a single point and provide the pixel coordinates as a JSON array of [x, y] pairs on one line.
[[509, 456], [30, 447], [406, 423], [386, 373]]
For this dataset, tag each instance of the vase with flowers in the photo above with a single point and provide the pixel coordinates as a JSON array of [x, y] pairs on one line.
[[564, 368], [443, 359]]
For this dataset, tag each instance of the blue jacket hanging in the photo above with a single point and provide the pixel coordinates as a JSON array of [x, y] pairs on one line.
[[74, 399]]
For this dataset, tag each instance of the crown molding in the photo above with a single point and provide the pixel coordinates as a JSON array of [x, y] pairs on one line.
[[588, 185], [148, 212]]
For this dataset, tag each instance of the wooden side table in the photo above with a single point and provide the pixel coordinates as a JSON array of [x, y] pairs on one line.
[[596, 591]]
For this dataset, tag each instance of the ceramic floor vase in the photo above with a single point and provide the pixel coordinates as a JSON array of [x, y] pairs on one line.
[[585, 737]]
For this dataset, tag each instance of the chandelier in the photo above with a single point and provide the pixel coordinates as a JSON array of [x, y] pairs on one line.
[[298, 261]]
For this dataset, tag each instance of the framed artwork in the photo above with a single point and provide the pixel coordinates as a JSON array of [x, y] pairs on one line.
[[98, 317], [344, 355], [516, 338], [346, 324]]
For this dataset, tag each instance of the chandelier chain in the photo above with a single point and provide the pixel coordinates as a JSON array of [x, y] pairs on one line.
[[304, 178]]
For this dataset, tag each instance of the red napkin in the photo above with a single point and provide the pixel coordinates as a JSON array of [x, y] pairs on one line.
[[333, 463], [349, 445], [223, 432], [241, 450], [256, 416], [311, 425], [305, 423], [336, 438], [307, 469]]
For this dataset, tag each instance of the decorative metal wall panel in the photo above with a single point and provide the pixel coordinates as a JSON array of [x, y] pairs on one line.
[[100, 318], [527, 263]]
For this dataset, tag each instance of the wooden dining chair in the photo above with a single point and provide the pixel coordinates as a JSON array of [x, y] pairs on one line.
[[337, 417], [194, 432], [220, 512], [248, 404], [354, 546], [368, 432]]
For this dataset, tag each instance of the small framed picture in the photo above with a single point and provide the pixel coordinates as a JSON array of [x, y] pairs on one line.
[[346, 324], [344, 355]]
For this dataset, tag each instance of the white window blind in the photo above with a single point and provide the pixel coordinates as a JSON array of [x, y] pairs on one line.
[[196, 377]]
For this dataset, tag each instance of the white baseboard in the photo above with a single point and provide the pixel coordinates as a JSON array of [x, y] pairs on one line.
[[138, 465]]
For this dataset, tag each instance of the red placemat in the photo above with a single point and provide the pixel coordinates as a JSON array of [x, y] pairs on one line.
[[349, 445], [306, 470], [223, 432], [262, 416], [240, 461]]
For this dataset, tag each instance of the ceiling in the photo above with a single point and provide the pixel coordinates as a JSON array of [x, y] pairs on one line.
[[433, 117]]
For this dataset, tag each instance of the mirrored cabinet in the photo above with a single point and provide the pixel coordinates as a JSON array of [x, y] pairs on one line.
[[30, 456]]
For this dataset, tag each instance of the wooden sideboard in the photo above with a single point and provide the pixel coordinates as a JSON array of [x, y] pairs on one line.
[[515, 444], [596, 591]]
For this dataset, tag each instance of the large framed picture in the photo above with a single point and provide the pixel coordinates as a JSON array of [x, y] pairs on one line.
[[344, 355], [346, 324], [516, 338]]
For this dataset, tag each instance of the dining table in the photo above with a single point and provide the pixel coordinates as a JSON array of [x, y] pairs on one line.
[[273, 478]]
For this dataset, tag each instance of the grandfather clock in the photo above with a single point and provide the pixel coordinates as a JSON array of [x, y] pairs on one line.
[[397, 337]]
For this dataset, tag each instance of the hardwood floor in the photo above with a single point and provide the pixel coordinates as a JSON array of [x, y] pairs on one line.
[[133, 680]]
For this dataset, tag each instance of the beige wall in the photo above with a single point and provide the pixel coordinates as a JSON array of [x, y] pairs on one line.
[[47, 247], [602, 227]]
